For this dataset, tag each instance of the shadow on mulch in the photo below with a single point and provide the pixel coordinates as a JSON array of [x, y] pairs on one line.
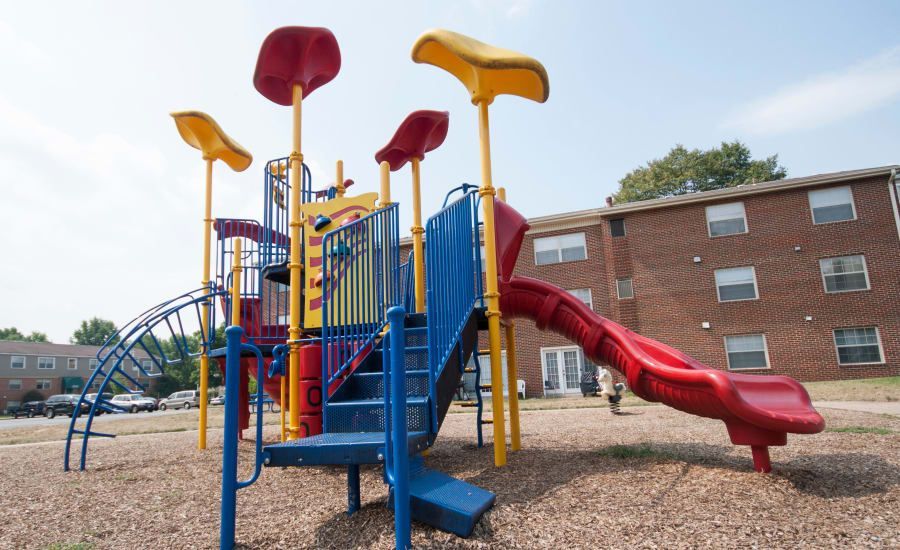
[[841, 475]]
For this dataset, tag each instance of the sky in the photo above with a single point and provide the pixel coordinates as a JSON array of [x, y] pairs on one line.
[[101, 201]]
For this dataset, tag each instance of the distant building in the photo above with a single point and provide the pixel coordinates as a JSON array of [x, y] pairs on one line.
[[50, 369], [799, 277]]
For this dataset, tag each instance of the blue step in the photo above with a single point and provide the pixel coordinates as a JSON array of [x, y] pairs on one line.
[[336, 448], [370, 385], [445, 502], [367, 415]]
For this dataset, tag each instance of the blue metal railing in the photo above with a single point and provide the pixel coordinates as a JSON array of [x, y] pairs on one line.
[[230, 482], [407, 286], [276, 213], [396, 456], [158, 335], [452, 281], [360, 265]]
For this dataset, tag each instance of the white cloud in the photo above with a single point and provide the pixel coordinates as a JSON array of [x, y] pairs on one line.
[[824, 99], [26, 51]]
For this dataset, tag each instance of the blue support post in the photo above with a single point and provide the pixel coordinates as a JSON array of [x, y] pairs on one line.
[[230, 446], [396, 316], [353, 497]]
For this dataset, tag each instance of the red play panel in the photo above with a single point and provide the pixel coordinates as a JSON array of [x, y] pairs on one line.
[[309, 56], [419, 133]]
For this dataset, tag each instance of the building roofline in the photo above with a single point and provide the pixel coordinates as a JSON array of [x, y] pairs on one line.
[[749, 189], [593, 216]]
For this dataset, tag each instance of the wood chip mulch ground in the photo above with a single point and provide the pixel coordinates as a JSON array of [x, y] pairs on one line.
[[653, 478]]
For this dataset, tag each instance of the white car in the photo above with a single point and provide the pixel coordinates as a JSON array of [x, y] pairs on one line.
[[133, 402]]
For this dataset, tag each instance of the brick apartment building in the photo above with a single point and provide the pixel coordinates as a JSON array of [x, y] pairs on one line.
[[799, 277], [48, 368]]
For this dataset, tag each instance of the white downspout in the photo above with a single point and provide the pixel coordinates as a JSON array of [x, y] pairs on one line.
[[892, 189]]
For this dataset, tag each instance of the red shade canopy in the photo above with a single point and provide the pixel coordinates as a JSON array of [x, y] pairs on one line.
[[309, 56], [419, 133]]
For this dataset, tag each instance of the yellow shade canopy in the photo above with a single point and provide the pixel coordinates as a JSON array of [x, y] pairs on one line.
[[201, 132], [485, 70]]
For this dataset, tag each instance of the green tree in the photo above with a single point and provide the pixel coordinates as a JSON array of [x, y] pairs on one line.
[[94, 332], [684, 171], [12, 333]]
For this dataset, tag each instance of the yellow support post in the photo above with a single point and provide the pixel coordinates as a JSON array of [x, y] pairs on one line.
[[236, 286], [418, 245], [295, 268], [492, 295], [339, 179], [385, 171], [512, 371], [204, 317]]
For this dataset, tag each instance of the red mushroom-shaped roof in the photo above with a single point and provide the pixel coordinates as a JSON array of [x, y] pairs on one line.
[[309, 56], [419, 133]]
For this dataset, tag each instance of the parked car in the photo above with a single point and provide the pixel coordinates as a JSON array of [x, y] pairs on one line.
[[29, 409], [181, 400], [133, 402], [89, 399], [155, 401], [61, 404], [217, 400]]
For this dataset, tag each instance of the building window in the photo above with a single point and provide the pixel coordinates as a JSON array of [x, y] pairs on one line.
[[92, 364], [17, 362], [15, 384], [747, 351], [736, 283], [832, 205], [583, 294], [72, 363], [617, 227], [147, 364], [483, 261], [624, 288], [857, 346], [43, 384], [562, 248], [283, 319], [726, 219], [844, 274], [46, 363]]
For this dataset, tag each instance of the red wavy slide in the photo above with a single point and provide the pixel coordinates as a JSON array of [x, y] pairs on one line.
[[758, 410]]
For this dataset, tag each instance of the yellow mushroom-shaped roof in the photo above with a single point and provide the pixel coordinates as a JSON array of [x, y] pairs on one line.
[[485, 70], [201, 132]]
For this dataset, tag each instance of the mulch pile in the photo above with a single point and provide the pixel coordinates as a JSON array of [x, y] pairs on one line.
[[653, 478]]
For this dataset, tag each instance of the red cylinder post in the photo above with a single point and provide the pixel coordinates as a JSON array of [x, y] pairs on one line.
[[761, 461]]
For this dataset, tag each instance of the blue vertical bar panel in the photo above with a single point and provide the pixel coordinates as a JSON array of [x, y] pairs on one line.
[[396, 316], [353, 499], [229, 447]]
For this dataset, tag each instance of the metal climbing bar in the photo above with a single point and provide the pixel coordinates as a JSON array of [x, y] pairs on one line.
[[361, 281], [453, 280]]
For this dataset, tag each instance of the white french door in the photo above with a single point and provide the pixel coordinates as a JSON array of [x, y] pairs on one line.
[[562, 370]]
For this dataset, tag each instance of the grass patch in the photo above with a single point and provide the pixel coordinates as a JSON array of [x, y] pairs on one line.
[[861, 430], [643, 450], [865, 389]]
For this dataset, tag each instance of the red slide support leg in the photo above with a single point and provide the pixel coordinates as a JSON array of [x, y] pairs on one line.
[[761, 461]]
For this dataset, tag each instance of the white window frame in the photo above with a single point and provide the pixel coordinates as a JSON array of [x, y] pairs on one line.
[[755, 285], [15, 384], [865, 272], [52, 363], [12, 360], [147, 365], [709, 220], [559, 248], [812, 213], [69, 363], [765, 352], [837, 353], [93, 364], [590, 296], [618, 290], [39, 383]]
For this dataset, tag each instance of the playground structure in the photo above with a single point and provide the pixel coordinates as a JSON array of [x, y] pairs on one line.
[[364, 352]]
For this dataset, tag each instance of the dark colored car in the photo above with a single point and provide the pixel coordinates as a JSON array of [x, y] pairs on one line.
[[29, 409], [61, 404]]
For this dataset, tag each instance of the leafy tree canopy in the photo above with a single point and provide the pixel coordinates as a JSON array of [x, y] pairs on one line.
[[12, 333], [94, 332], [684, 171]]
